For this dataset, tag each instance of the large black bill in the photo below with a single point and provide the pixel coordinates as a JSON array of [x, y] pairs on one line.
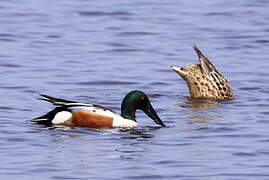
[[153, 115]]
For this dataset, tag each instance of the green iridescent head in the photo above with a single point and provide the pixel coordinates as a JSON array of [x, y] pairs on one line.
[[138, 100]]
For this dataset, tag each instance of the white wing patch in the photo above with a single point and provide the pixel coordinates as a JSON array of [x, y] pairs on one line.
[[62, 117]]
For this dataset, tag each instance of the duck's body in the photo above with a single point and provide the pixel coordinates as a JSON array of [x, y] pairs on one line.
[[204, 80], [76, 114]]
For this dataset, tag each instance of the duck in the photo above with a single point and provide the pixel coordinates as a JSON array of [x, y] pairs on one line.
[[78, 114], [204, 80]]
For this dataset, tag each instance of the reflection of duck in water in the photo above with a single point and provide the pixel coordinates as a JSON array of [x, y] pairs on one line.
[[204, 80], [76, 114], [200, 104], [202, 119]]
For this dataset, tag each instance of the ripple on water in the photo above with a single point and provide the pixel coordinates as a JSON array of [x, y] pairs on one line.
[[10, 65], [136, 34], [262, 41], [102, 83], [102, 13]]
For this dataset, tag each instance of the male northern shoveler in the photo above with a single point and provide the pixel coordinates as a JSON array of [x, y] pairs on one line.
[[76, 114], [204, 80]]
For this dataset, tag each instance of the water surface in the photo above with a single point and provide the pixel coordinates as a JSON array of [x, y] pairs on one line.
[[98, 51]]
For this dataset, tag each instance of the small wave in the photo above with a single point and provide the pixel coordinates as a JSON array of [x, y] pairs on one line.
[[101, 13], [87, 83]]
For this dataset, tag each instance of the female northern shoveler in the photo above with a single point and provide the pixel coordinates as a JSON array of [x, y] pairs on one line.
[[204, 80], [76, 114]]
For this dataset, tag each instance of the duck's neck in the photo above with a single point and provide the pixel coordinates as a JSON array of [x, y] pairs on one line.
[[128, 110]]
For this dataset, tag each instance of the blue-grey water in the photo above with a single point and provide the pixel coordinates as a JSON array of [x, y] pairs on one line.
[[98, 51]]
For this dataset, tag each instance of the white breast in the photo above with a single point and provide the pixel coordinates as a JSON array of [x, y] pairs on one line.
[[121, 122]]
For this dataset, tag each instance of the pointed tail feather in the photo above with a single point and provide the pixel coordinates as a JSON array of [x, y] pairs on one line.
[[42, 120], [206, 65], [47, 118], [199, 53], [54, 100]]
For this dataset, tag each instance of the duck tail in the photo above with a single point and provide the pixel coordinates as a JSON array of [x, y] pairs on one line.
[[54, 100], [42, 120], [47, 118]]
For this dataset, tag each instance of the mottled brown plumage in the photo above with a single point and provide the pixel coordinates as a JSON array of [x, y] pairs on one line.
[[204, 80]]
